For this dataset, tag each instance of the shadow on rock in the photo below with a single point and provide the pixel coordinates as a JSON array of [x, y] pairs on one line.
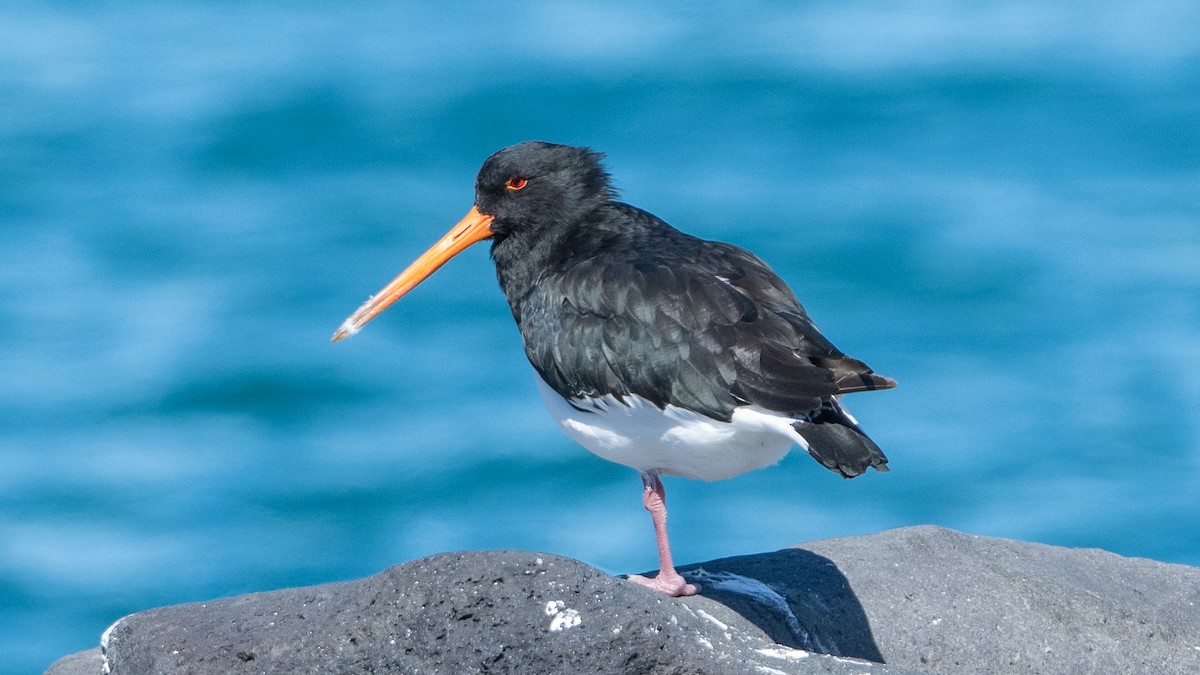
[[798, 598]]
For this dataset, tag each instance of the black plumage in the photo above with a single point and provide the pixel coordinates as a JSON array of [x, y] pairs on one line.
[[610, 299]]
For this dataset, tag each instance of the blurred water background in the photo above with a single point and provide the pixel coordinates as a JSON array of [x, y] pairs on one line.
[[998, 204]]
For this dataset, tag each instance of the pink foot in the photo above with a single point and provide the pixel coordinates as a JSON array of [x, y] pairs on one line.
[[671, 584], [654, 498]]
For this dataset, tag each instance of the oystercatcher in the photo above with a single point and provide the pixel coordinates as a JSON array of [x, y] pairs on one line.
[[654, 349]]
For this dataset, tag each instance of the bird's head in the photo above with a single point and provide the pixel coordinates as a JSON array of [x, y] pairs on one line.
[[533, 185], [523, 191]]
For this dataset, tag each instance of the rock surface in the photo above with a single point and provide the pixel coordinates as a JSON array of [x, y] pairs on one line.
[[914, 600]]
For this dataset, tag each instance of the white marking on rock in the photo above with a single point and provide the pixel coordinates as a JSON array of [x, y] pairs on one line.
[[108, 634], [785, 653], [563, 616], [105, 668], [567, 619], [720, 624]]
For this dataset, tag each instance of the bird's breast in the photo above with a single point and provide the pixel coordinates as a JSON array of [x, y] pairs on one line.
[[673, 441]]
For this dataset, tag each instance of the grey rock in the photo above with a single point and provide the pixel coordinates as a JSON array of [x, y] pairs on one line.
[[994, 605], [87, 662], [915, 600], [475, 612], [946, 602]]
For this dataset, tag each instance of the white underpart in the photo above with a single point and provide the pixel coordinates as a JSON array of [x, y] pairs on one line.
[[673, 441]]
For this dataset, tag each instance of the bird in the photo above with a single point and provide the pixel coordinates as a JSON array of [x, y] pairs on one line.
[[653, 348]]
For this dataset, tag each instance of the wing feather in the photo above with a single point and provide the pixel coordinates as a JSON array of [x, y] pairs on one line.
[[708, 337]]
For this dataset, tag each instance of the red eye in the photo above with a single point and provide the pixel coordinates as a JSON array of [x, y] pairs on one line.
[[516, 182]]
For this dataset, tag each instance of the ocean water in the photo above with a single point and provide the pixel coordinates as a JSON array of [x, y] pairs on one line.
[[998, 204]]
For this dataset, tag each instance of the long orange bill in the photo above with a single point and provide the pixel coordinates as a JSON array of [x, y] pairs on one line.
[[474, 227]]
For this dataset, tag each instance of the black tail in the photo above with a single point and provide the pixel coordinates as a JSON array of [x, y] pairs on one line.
[[836, 441]]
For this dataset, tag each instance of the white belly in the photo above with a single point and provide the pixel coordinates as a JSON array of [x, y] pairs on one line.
[[674, 441]]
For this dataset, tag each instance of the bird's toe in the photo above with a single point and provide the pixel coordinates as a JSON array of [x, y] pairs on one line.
[[672, 584]]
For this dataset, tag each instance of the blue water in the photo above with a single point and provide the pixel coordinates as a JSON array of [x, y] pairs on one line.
[[997, 204]]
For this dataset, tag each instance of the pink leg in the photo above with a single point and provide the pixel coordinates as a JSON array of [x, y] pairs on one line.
[[654, 498]]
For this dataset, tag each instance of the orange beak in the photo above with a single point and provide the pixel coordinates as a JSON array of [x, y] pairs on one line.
[[474, 227]]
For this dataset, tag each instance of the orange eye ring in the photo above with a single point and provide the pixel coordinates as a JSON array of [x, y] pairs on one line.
[[516, 182]]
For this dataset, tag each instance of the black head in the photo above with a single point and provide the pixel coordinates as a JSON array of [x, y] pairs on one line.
[[530, 185], [524, 195]]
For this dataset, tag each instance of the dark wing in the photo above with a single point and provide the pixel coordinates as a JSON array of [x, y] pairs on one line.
[[700, 325]]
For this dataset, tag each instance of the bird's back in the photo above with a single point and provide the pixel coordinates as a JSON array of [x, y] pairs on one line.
[[635, 306]]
